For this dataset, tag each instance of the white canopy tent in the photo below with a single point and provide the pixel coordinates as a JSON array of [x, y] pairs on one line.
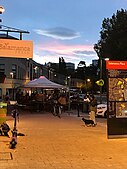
[[43, 82]]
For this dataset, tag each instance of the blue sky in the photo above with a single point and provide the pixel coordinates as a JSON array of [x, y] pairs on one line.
[[60, 28]]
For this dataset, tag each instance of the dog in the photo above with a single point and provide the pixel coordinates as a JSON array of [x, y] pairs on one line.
[[88, 122]]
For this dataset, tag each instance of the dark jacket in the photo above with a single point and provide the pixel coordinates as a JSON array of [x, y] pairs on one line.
[[93, 105]]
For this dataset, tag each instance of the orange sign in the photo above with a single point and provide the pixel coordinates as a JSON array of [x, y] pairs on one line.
[[16, 48], [116, 64]]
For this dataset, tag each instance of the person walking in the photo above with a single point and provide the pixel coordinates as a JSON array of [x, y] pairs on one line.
[[63, 101], [93, 108]]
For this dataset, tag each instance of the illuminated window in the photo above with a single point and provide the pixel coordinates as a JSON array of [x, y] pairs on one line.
[[14, 70]]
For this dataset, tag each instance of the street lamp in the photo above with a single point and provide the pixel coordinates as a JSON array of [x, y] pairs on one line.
[[101, 66], [101, 75], [97, 48], [12, 74], [12, 77], [86, 84], [35, 72], [1, 11]]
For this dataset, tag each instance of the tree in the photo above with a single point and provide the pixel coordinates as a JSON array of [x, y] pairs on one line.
[[113, 37], [62, 66], [91, 73], [82, 64], [81, 70]]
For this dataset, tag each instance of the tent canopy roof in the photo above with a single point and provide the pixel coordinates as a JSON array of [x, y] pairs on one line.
[[43, 82]]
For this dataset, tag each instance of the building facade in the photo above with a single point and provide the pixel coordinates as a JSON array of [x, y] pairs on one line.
[[16, 72]]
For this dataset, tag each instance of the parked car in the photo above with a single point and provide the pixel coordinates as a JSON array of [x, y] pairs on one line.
[[81, 96], [101, 110]]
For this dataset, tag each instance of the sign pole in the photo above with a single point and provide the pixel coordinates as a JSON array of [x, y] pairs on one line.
[[100, 78]]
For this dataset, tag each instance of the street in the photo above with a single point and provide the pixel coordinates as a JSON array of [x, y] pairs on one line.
[[61, 143]]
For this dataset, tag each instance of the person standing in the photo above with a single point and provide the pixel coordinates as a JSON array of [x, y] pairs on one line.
[[93, 108], [86, 104]]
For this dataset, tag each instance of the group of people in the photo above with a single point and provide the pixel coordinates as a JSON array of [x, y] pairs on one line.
[[58, 100], [61, 101]]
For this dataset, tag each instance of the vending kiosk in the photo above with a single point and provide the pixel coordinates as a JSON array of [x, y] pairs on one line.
[[117, 99]]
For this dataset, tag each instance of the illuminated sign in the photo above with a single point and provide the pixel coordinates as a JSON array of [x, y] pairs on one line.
[[116, 64], [16, 48], [100, 82]]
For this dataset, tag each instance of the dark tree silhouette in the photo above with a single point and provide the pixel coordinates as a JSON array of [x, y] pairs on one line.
[[62, 66], [113, 37]]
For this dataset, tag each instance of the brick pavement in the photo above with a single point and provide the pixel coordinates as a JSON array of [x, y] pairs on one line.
[[53, 143]]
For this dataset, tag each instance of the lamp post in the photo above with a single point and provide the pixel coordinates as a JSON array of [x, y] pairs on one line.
[[87, 84], [69, 83], [35, 72], [97, 48], [12, 77], [1, 11], [100, 79], [101, 75], [50, 74]]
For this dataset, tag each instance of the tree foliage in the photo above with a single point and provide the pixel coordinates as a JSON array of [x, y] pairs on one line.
[[62, 66], [80, 71], [113, 37], [82, 64]]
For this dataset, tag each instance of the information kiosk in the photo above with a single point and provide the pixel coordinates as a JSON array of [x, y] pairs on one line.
[[117, 99]]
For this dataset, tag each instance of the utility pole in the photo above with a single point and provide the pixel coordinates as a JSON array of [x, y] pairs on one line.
[[98, 51], [69, 85]]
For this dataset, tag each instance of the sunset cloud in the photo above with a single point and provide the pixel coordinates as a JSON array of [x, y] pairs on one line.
[[70, 53]]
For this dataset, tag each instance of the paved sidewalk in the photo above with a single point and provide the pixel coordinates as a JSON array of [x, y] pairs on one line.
[[54, 143]]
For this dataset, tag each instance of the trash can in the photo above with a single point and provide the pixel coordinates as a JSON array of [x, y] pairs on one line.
[[3, 112]]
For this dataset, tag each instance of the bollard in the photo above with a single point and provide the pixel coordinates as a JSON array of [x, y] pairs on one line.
[[13, 141], [78, 109]]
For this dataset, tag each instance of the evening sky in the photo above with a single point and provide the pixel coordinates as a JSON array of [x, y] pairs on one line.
[[60, 28]]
